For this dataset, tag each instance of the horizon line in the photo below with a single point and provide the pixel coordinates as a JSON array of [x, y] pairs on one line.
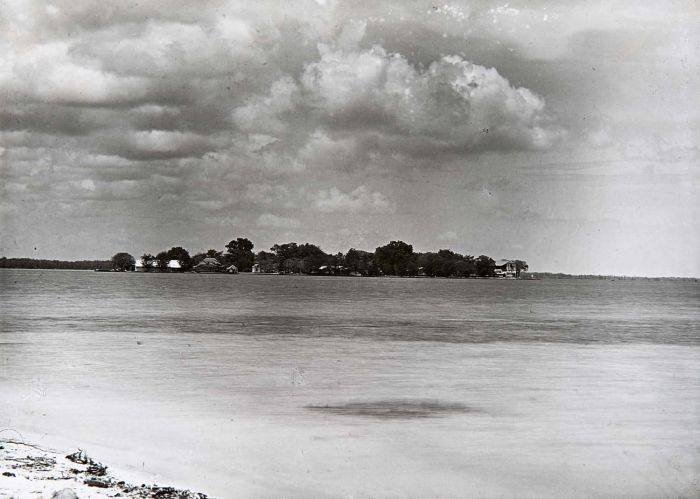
[[624, 276]]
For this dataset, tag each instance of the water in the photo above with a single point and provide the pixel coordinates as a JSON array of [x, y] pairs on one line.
[[277, 386]]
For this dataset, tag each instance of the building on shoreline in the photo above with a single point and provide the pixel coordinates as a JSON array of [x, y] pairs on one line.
[[505, 269], [208, 265], [152, 266]]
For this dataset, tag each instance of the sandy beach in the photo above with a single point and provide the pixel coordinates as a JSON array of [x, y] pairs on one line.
[[28, 470]]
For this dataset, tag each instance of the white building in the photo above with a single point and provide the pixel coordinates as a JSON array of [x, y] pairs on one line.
[[152, 265]]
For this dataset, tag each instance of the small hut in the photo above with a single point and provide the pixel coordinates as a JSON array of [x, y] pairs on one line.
[[232, 269]]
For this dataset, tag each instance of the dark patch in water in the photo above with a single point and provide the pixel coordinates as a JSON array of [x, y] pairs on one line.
[[395, 409]]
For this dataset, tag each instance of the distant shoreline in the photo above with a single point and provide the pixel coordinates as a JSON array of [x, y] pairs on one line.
[[106, 266]]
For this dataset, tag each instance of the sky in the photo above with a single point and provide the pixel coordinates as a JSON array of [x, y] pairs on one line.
[[566, 134]]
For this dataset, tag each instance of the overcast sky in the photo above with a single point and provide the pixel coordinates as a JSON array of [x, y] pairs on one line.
[[562, 133]]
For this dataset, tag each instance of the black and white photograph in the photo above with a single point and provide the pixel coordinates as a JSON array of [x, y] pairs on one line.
[[349, 249]]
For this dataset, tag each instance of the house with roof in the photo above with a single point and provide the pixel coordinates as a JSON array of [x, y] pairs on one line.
[[174, 266], [208, 266], [505, 269], [266, 267]]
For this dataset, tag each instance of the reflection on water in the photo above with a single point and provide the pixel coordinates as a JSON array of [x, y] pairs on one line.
[[471, 311], [394, 409], [260, 386]]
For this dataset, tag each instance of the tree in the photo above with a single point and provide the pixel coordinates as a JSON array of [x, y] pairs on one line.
[[123, 262], [240, 253], [181, 255], [485, 266], [240, 243], [312, 257], [197, 258], [466, 266], [266, 261], [284, 252], [360, 261], [162, 260], [292, 265], [430, 262], [212, 253], [353, 260], [147, 261], [412, 268], [520, 266], [448, 262], [393, 258]]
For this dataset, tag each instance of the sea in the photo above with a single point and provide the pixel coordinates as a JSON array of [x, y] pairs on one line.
[[296, 386]]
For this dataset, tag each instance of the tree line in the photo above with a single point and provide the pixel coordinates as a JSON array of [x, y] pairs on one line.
[[396, 258], [35, 263]]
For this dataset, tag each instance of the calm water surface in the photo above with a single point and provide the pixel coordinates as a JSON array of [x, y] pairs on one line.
[[277, 386]]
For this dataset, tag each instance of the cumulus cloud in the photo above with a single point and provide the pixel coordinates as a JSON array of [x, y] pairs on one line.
[[370, 99], [359, 200], [48, 73], [452, 101], [167, 48], [265, 114]]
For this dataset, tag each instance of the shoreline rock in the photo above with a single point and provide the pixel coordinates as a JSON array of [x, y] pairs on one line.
[[30, 470]]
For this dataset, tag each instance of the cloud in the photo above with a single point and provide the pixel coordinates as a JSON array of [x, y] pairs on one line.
[[167, 48], [354, 100], [259, 141], [264, 114], [360, 200], [88, 184], [57, 120], [157, 144], [270, 195], [48, 73], [599, 133], [268, 220], [338, 153], [452, 101], [210, 205]]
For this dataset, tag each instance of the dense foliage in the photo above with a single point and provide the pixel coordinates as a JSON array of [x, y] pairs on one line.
[[396, 258], [239, 252], [33, 263], [123, 262]]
